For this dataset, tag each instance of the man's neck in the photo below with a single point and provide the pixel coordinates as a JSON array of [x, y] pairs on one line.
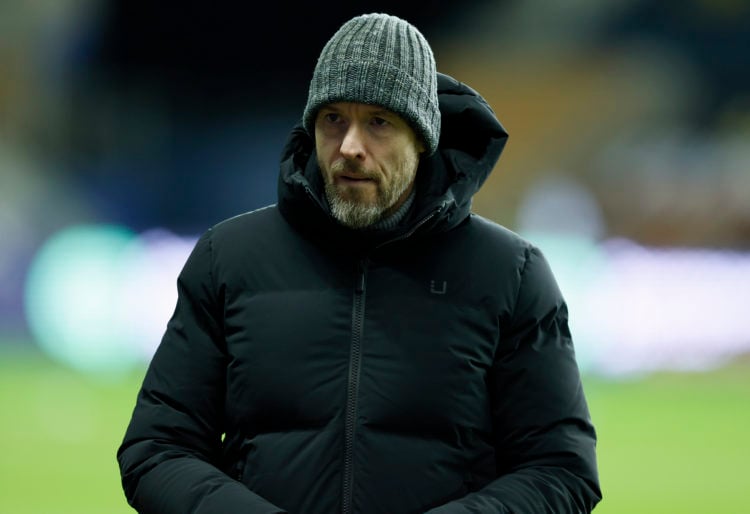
[[395, 218]]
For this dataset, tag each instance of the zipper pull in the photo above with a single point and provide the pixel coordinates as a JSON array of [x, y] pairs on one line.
[[361, 274]]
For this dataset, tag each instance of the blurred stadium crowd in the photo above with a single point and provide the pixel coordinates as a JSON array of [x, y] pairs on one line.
[[128, 127]]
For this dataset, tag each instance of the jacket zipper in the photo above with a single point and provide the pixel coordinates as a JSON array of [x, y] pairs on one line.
[[355, 361]]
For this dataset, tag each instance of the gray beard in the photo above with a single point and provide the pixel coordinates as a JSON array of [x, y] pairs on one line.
[[350, 213], [358, 215]]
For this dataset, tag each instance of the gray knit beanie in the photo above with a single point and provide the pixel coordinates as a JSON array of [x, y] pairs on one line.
[[382, 60]]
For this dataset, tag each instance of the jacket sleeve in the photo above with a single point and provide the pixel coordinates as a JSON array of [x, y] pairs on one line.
[[544, 440], [170, 453]]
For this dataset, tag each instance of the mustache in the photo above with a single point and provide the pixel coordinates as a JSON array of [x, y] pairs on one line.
[[353, 168]]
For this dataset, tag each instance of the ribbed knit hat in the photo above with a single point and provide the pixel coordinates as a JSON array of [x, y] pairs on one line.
[[382, 60]]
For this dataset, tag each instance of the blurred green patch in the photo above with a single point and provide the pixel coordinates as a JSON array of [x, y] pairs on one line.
[[667, 443], [674, 442], [59, 435]]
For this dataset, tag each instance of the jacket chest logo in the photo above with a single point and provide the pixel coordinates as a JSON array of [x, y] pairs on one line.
[[438, 287]]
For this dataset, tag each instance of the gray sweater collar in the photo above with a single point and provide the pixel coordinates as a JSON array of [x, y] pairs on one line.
[[394, 219]]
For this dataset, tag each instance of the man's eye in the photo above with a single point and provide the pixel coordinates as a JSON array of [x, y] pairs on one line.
[[380, 122], [332, 117]]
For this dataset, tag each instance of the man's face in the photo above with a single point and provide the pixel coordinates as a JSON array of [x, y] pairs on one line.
[[368, 156]]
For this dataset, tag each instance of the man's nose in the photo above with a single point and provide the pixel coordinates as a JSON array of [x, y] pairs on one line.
[[353, 145]]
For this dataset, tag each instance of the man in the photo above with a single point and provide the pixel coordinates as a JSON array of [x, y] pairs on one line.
[[366, 344]]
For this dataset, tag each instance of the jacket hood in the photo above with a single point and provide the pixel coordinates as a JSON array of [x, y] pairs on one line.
[[471, 142]]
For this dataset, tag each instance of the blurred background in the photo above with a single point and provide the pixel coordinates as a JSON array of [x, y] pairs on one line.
[[127, 128]]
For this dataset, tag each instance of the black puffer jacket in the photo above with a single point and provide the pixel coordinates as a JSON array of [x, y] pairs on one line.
[[313, 369]]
